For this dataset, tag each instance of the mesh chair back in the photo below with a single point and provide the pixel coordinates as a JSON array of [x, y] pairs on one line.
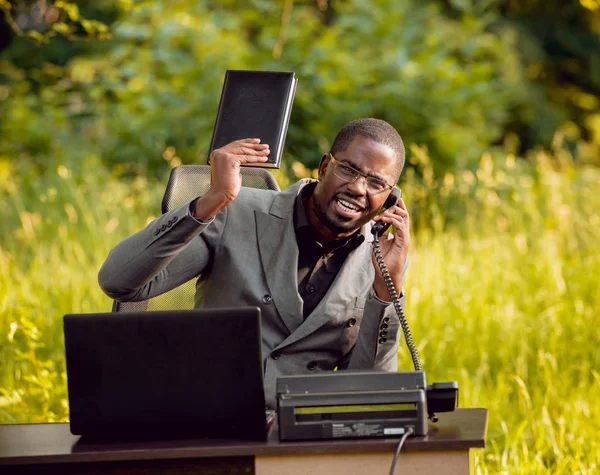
[[185, 183]]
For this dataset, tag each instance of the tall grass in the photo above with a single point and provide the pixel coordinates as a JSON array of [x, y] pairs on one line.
[[506, 301], [56, 232], [502, 294]]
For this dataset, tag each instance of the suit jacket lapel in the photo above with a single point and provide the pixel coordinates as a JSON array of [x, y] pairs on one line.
[[279, 254], [356, 273]]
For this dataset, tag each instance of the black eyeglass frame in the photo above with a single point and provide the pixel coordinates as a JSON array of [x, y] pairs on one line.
[[356, 173]]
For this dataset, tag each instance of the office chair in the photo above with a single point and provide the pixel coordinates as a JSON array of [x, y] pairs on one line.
[[185, 183]]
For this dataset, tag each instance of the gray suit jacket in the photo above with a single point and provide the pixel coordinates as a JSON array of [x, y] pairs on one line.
[[248, 256]]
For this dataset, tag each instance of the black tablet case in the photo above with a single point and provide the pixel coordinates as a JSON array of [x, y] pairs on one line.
[[255, 104]]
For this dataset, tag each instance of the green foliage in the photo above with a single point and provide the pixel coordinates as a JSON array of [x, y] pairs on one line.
[[456, 77], [41, 21], [446, 83], [559, 47]]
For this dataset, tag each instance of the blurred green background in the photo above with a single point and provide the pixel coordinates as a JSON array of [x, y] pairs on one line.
[[498, 102]]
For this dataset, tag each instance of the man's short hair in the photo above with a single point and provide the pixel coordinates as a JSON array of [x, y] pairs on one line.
[[375, 129]]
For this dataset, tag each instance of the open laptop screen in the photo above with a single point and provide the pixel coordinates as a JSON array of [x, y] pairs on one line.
[[181, 373]]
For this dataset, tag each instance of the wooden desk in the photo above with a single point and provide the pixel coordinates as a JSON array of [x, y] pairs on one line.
[[51, 448]]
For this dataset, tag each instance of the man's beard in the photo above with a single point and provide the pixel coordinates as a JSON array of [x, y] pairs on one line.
[[335, 226]]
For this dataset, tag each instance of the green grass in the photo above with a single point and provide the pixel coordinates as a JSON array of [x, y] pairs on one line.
[[57, 231], [502, 296], [507, 303]]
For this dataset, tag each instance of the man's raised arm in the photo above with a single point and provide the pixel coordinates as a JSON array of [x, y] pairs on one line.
[[165, 253]]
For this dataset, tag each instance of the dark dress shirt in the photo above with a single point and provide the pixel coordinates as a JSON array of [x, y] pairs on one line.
[[317, 265]]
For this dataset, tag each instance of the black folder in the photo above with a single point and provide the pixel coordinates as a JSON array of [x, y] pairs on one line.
[[255, 104]]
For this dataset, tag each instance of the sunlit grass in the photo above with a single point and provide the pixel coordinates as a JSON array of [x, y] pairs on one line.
[[57, 231], [502, 295], [506, 302]]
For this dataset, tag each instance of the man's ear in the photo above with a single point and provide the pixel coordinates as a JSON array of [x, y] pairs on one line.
[[323, 165]]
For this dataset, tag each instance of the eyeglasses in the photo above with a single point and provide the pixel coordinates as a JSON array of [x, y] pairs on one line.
[[349, 174]]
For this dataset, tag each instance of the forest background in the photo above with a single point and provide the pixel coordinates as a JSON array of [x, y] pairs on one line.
[[498, 104]]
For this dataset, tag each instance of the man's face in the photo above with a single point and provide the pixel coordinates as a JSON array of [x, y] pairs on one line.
[[343, 207]]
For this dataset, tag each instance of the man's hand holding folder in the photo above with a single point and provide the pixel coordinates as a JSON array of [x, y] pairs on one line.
[[226, 181]]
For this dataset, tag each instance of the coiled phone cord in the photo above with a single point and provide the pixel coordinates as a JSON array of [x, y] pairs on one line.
[[392, 290]]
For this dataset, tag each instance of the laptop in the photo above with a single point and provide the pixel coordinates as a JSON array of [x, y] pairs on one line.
[[166, 374]]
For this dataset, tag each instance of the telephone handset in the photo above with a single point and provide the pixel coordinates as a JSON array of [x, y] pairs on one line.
[[392, 200]]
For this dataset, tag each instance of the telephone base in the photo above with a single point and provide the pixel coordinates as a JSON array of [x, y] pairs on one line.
[[353, 404]]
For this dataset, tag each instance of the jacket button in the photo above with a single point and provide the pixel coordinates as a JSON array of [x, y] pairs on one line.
[[275, 355], [157, 232], [383, 333], [384, 326], [175, 218], [311, 366], [267, 299], [352, 322], [386, 319], [163, 227], [382, 340]]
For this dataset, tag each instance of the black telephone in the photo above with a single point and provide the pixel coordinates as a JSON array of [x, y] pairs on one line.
[[392, 200]]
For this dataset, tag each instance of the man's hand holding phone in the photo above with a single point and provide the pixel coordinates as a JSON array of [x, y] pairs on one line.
[[394, 250], [226, 181]]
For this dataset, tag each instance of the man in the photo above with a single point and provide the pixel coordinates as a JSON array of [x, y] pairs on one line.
[[302, 255]]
